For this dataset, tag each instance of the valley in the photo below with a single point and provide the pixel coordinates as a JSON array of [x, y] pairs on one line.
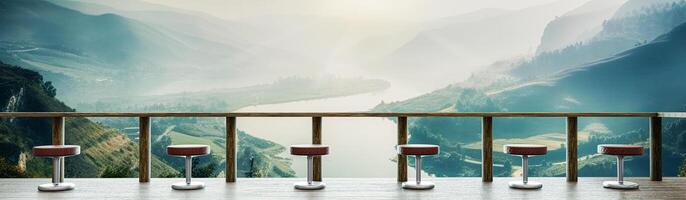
[[140, 56], [569, 80]]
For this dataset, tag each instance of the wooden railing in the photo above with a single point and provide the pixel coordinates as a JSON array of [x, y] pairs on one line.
[[655, 122]]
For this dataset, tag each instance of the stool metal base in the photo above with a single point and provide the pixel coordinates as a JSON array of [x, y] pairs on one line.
[[625, 185], [424, 185], [527, 185], [315, 185], [51, 187], [188, 186]]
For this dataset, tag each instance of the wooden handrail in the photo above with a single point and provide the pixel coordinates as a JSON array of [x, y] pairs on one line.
[[342, 114], [672, 114], [487, 128]]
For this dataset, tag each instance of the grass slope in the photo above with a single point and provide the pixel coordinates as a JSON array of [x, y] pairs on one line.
[[23, 90]]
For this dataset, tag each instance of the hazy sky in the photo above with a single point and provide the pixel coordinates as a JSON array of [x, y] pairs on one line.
[[355, 9]]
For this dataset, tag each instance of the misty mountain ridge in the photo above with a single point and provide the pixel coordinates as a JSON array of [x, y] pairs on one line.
[[577, 25], [453, 47], [590, 58], [132, 51], [106, 151], [102, 148], [616, 35], [617, 83], [633, 7], [206, 50]]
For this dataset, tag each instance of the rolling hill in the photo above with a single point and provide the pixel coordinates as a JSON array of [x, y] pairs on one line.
[[102, 147], [107, 152], [447, 47], [643, 78], [132, 52]]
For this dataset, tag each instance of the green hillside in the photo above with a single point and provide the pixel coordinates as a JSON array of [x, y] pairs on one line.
[[23, 90], [92, 56], [644, 78], [256, 157], [616, 35], [106, 152]]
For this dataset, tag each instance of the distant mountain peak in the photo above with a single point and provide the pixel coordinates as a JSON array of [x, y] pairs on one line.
[[577, 25]]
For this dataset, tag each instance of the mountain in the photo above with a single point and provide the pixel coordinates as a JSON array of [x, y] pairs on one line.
[[132, 52], [85, 51], [635, 80], [102, 148], [645, 78], [107, 151], [577, 25], [182, 22], [443, 50], [622, 80], [289, 89], [633, 7], [617, 35]]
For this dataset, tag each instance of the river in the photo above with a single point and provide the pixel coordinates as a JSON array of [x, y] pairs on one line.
[[360, 147]]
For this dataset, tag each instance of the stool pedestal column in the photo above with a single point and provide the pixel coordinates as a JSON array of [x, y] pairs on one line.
[[620, 183], [310, 184], [188, 185], [418, 184], [57, 154], [525, 183], [56, 185], [621, 151]]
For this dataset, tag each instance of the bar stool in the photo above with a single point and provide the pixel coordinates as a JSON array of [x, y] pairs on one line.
[[188, 151], [620, 150], [311, 151], [417, 150], [525, 150], [57, 153]]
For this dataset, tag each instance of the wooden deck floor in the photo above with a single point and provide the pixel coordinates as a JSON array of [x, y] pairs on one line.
[[343, 188]]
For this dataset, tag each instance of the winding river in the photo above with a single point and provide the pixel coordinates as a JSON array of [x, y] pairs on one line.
[[360, 147]]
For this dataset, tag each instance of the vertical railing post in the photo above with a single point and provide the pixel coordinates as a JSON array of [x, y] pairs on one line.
[[487, 149], [317, 139], [58, 139], [230, 149], [402, 139], [656, 149], [144, 152], [572, 148]]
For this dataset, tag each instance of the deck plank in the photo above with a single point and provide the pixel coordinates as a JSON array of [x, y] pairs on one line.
[[343, 188]]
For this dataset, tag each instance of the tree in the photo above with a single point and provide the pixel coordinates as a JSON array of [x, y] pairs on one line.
[[49, 89]]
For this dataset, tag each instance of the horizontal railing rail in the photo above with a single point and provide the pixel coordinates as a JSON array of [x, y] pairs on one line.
[[338, 114], [655, 123]]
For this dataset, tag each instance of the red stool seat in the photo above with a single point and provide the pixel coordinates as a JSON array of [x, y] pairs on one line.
[[418, 149], [188, 150], [56, 150], [620, 149], [525, 149], [309, 149]]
